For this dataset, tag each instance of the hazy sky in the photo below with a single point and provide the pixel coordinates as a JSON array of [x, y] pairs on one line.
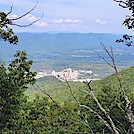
[[69, 15]]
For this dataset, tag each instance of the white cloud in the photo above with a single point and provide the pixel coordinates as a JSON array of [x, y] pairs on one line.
[[28, 17], [101, 22], [41, 24], [77, 21], [68, 21], [58, 21], [31, 17], [13, 16]]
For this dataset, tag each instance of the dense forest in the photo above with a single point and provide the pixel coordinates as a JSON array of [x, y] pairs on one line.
[[96, 107]]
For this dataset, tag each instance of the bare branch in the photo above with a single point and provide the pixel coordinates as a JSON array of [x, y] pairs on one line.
[[10, 10], [122, 3], [128, 108], [114, 129], [25, 13], [104, 48], [105, 60], [109, 54], [43, 91], [79, 106], [100, 117], [28, 24]]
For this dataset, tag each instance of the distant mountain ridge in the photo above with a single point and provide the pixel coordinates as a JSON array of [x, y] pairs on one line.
[[39, 45]]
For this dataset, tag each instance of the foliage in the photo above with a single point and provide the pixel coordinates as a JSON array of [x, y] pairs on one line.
[[43, 116], [126, 77], [58, 90], [110, 97], [111, 100], [127, 39], [13, 83], [13, 80], [7, 33], [128, 22]]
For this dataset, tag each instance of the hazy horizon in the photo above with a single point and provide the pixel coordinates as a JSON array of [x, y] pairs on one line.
[[69, 32]]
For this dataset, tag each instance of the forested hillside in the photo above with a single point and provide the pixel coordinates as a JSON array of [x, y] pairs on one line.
[[127, 80], [60, 91], [107, 92]]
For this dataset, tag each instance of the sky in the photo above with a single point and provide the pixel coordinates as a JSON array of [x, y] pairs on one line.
[[84, 16]]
